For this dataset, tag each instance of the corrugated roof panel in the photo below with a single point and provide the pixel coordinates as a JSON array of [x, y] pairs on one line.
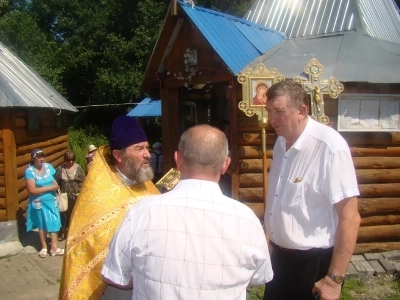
[[146, 108], [297, 18], [21, 87], [226, 34], [303, 17], [381, 18]]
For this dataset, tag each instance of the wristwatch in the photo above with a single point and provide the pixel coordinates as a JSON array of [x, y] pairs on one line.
[[336, 278]]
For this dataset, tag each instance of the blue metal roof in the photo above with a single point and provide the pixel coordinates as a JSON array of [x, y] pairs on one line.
[[146, 108], [237, 41]]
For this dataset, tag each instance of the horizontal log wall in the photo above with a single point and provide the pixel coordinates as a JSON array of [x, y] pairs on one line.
[[3, 202], [51, 139], [376, 157]]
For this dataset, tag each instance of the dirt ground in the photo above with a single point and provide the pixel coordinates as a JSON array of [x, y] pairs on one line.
[[373, 288]]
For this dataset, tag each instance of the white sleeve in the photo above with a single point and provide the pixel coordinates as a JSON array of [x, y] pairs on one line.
[[263, 271], [342, 177], [118, 265]]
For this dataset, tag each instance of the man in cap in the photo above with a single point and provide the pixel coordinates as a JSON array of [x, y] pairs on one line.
[[89, 157], [120, 175], [156, 161]]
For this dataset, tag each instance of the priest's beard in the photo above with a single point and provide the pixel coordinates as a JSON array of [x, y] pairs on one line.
[[138, 175]]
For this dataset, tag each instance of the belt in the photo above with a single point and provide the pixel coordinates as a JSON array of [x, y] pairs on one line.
[[312, 251], [284, 249]]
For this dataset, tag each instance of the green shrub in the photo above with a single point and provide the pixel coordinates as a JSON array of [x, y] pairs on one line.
[[80, 139]]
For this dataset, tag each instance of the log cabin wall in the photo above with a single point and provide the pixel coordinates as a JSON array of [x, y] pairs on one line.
[[376, 157], [29, 129], [3, 204]]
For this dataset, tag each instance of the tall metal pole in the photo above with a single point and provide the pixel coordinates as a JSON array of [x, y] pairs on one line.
[[263, 124]]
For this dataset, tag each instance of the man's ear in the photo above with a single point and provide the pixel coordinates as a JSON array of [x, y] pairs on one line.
[[177, 158], [117, 155], [303, 112], [225, 166]]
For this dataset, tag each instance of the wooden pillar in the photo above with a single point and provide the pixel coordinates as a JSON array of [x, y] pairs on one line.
[[170, 125], [10, 166], [234, 139]]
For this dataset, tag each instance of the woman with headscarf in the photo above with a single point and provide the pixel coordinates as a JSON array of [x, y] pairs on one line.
[[42, 211]]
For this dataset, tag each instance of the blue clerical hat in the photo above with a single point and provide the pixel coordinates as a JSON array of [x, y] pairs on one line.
[[125, 132]]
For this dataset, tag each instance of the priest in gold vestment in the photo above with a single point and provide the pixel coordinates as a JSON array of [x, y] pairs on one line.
[[119, 176]]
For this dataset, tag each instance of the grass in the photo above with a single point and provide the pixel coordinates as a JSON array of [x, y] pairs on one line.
[[368, 287]]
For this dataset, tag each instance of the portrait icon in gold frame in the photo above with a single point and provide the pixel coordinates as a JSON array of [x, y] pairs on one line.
[[255, 85], [259, 89]]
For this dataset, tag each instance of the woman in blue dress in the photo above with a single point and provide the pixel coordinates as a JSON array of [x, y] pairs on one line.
[[42, 211]]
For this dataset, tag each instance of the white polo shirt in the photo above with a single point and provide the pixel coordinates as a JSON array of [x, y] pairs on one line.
[[190, 243], [304, 183]]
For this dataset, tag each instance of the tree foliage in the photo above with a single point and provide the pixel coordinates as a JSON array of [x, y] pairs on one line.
[[92, 51]]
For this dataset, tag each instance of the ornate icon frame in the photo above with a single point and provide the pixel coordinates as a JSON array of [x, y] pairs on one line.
[[250, 79]]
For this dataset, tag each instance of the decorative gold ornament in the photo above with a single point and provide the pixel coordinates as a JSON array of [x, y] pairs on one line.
[[255, 84], [169, 180], [316, 88]]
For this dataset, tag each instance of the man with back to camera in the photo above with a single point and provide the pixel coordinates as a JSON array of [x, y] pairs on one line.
[[120, 176], [192, 242], [311, 215]]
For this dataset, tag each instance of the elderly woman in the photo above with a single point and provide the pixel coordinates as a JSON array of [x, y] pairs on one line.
[[42, 211], [70, 177]]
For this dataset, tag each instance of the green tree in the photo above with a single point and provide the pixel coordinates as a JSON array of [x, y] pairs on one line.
[[107, 42], [21, 34], [236, 8]]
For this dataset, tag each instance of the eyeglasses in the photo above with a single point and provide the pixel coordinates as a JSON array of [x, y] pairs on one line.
[[70, 160]]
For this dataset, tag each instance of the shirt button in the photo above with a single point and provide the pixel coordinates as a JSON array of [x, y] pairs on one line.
[[276, 195], [270, 214]]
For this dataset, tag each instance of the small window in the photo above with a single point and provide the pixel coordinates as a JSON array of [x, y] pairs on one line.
[[34, 124]]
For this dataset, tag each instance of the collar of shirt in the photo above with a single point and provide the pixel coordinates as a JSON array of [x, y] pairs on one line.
[[298, 145], [125, 180], [198, 184]]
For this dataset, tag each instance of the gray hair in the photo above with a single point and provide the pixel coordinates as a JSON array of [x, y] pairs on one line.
[[297, 96], [204, 148]]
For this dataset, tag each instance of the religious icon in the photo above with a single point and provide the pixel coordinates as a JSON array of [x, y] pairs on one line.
[[255, 84], [259, 91]]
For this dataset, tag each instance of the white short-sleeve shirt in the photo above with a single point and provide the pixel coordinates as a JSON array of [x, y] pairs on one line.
[[303, 185], [190, 243]]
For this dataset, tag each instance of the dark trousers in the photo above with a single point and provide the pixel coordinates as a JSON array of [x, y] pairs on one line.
[[295, 272]]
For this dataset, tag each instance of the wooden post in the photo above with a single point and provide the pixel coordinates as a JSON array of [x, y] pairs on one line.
[[10, 166], [174, 8], [233, 132], [170, 125]]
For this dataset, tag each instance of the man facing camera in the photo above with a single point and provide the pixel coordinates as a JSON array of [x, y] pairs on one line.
[[192, 242], [311, 215]]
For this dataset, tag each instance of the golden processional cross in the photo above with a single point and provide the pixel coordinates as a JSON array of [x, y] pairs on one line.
[[316, 88], [255, 84]]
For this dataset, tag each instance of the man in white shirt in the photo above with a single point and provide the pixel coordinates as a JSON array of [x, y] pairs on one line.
[[311, 215], [192, 242]]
